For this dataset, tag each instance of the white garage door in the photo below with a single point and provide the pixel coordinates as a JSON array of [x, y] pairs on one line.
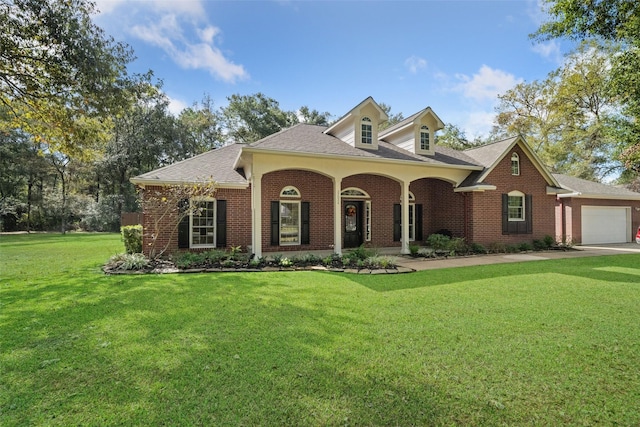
[[608, 224]]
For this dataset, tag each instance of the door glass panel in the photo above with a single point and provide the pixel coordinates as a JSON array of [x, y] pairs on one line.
[[350, 218]]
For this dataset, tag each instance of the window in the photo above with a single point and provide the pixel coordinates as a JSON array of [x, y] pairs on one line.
[[203, 224], [517, 213], [515, 164], [290, 191], [367, 220], [366, 131], [424, 138], [516, 206], [289, 223]]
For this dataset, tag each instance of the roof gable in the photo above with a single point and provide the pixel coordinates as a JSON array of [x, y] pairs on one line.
[[491, 155], [582, 188], [355, 112]]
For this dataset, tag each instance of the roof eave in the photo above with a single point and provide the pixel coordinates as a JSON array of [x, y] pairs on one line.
[[599, 196], [356, 158], [142, 182], [475, 188]]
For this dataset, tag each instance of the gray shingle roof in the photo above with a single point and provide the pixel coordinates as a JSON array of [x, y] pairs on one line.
[[595, 189], [216, 165], [310, 139], [487, 155]]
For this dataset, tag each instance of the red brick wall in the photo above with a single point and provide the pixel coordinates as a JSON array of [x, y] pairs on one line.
[[238, 220], [384, 193], [573, 215], [486, 222], [314, 188]]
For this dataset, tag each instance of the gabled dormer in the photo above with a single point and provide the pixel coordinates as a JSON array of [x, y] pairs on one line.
[[416, 133], [359, 127]]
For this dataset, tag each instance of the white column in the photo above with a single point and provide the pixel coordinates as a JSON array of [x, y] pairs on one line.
[[256, 214], [405, 217], [337, 215]]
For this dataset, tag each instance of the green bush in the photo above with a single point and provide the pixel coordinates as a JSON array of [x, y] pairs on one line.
[[458, 246], [439, 242], [186, 260], [549, 241], [525, 247], [477, 248], [413, 250], [539, 245], [497, 248], [132, 238], [136, 261]]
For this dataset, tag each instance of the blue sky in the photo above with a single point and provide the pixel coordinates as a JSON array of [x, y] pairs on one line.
[[454, 56]]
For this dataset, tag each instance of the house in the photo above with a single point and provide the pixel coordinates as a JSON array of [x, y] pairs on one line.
[[311, 187]]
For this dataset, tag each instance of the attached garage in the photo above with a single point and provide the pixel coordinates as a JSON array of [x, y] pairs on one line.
[[606, 224]]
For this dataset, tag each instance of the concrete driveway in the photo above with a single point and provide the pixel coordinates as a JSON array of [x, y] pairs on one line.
[[577, 252]]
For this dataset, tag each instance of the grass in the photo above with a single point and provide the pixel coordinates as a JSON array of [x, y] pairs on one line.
[[536, 343]]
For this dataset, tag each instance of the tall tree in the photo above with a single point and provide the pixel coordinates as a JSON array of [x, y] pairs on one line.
[[202, 127], [569, 118], [248, 118], [392, 118], [617, 21], [313, 117]]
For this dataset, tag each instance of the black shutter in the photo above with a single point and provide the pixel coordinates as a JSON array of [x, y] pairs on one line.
[[417, 220], [183, 226], [221, 224], [528, 214], [305, 238], [275, 223], [397, 222], [505, 214]]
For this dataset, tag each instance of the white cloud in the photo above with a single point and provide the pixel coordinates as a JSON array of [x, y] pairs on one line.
[[204, 54], [180, 28], [176, 106], [486, 84], [550, 51], [415, 64]]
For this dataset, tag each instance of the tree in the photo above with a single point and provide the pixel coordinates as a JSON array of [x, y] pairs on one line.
[[569, 119], [313, 117], [392, 118], [249, 118], [454, 137], [617, 21], [202, 128]]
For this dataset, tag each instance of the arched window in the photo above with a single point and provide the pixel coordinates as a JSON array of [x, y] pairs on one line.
[[515, 164], [289, 191], [366, 128], [354, 192], [424, 138]]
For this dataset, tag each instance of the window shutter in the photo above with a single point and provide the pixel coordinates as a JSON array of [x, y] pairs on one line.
[[221, 224], [397, 222], [505, 214], [305, 238], [417, 212], [183, 226], [275, 223], [528, 213]]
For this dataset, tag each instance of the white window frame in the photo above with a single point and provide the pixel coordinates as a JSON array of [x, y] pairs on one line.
[[359, 193], [211, 227], [299, 222], [290, 191], [424, 136], [366, 131], [515, 164], [511, 196], [367, 220]]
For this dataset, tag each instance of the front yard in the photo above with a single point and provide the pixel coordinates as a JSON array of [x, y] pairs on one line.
[[536, 343]]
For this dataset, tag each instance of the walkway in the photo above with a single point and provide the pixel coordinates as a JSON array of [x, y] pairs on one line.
[[578, 252]]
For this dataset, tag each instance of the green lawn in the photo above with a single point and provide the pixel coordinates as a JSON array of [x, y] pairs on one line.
[[536, 343]]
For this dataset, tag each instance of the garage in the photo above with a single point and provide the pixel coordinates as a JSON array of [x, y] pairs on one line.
[[606, 224]]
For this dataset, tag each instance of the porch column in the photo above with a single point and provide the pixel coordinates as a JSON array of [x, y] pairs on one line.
[[404, 194], [337, 215], [256, 214]]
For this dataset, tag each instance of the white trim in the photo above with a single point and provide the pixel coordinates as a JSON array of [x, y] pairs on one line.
[[479, 188], [294, 202], [364, 195], [367, 221], [288, 188], [579, 195], [515, 158], [213, 226], [522, 197]]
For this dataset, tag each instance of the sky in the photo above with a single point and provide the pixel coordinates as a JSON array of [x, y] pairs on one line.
[[454, 56]]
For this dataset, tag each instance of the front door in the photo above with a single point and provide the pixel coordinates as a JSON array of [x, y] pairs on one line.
[[352, 224]]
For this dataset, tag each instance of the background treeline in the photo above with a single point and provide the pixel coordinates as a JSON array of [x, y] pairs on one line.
[[75, 126]]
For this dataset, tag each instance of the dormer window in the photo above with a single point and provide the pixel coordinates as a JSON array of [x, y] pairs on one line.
[[424, 139], [366, 131], [515, 164]]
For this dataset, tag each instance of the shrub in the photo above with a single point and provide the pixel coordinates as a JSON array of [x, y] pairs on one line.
[[458, 246], [497, 248], [413, 250], [511, 249], [136, 261], [380, 262], [477, 248], [525, 247], [132, 238], [186, 260], [539, 245], [549, 241], [439, 242]]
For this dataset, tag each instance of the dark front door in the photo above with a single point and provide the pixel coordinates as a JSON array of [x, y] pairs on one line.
[[352, 224]]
